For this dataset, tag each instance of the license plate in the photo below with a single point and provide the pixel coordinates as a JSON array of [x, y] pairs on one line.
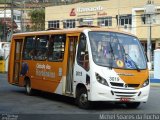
[[124, 99]]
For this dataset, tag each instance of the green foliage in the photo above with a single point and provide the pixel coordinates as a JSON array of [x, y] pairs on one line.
[[5, 1], [37, 19]]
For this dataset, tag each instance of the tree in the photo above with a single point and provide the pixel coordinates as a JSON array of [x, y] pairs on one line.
[[37, 19]]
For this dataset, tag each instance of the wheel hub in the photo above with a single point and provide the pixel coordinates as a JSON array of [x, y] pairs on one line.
[[83, 98]]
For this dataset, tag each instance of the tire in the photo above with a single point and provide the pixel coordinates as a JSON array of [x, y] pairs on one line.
[[82, 99], [133, 104], [28, 88]]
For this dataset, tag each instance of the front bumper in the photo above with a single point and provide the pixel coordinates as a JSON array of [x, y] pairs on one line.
[[104, 93]]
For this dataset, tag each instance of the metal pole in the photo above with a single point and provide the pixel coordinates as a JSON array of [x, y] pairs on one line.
[[12, 19], [150, 27], [5, 22], [150, 10], [118, 14], [149, 39], [21, 17], [24, 28]]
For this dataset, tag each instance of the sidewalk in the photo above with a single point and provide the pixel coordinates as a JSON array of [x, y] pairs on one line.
[[154, 81]]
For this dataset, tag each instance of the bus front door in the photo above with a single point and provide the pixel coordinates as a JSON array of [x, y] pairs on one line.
[[70, 64], [17, 60]]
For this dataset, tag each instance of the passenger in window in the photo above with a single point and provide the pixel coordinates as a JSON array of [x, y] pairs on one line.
[[39, 55], [57, 55], [93, 44], [50, 55], [86, 60], [50, 52], [116, 49], [31, 54], [26, 54]]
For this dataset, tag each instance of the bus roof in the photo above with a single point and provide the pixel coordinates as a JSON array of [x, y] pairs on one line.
[[71, 30]]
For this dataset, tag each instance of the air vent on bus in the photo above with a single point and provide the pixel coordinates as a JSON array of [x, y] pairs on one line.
[[124, 94], [133, 85], [54, 29], [89, 26], [122, 85], [116, 84]]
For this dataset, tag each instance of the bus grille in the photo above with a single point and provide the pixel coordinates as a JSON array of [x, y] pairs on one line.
[[116, 84], [133, 85], [124, 94], [124, 85]]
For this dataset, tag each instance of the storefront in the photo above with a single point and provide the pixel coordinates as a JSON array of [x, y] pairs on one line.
[[126, 15]]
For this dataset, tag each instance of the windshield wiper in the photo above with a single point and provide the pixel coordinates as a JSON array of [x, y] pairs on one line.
[[126, 54], [135, 64], [112, 54], [112, 51]]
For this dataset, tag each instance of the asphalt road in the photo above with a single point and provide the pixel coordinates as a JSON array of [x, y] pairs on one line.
[[15, 104]]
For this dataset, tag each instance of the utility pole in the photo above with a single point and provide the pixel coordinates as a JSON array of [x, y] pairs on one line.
[[22, 15], [150, 10], [118, 22], [12, 18], [5, 23]]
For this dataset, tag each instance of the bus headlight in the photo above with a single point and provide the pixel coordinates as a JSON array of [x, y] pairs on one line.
[[101, 80], [145, 83]]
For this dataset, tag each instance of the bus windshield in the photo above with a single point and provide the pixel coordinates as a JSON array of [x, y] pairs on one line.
[[117, 50]]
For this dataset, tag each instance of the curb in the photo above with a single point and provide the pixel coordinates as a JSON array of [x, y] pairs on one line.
[[3, 72], [155, 84]]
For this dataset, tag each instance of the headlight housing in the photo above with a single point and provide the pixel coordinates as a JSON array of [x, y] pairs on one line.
[[145, 83], [101, 80]]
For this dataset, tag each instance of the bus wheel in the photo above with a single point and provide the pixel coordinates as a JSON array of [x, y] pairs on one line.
[[132, 104], [29, 90], [82, 99]]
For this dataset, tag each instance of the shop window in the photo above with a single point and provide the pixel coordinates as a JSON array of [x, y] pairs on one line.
[[69, 23], [82, 54], [14, 17], [29, 48], [86, 21], [105, 21], [125, 20], [53, 24], [41, 47], [18, 17], [57, 47]]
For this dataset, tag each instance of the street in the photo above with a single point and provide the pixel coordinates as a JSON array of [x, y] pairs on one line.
[[13, 100]]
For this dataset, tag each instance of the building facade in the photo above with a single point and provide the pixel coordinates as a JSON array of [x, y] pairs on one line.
[[6, 23], [16, 16], [126, 15]]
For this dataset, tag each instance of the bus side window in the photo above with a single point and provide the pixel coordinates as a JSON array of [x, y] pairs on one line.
[[28, 51], [82, 54], [41, 47], [57, 47]]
